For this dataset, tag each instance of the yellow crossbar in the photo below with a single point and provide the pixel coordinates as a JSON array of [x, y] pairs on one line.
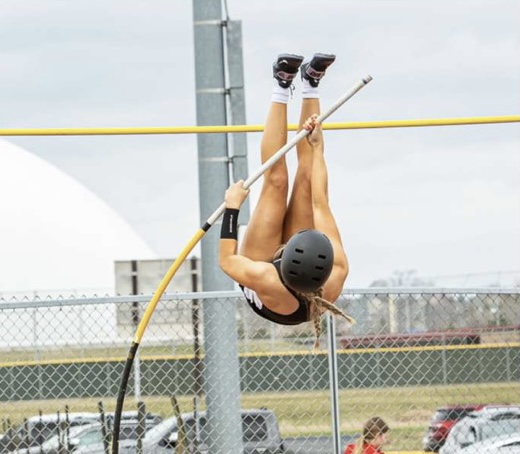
[[255, 128]]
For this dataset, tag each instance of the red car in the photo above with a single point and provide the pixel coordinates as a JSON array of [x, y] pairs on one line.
[[441, 423]]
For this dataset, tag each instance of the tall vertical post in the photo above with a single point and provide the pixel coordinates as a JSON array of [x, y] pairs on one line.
[[237, 107], [333, 383], [195, 319], [221, 379], [135, 322]]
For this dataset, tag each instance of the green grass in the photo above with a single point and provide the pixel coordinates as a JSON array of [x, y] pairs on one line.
[[407, 410]]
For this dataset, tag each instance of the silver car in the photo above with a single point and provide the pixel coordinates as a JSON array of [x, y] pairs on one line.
[[260, 433], [87, 439], [506, 444], [36, 430], [481, 425]]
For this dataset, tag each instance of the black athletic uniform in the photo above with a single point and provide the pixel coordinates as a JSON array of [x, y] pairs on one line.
[[300, 315]]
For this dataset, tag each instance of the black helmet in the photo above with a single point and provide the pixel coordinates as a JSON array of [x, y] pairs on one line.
[[307, 261]]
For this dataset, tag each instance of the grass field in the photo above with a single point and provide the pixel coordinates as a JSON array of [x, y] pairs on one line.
[[407, 410]]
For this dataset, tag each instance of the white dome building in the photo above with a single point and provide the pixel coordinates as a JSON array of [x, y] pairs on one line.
[[55, 235]]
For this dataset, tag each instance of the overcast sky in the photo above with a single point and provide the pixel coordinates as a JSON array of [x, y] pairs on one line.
[[443, 201]]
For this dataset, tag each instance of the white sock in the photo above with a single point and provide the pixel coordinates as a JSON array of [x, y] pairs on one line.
[[280, 94], [309, 91]]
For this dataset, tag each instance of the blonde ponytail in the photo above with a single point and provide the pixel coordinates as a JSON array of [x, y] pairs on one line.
[[358, 448], [318, 305]]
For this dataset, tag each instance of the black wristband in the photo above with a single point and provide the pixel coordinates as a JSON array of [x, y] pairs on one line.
[[229, 228]]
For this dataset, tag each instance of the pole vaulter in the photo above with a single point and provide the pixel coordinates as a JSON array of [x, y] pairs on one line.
[[193, 242]]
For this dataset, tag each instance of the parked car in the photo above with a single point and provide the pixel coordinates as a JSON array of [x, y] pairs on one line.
[[506, 444], [36, 430], [89, 439], [488, 422], [441, 423], [260, 431]]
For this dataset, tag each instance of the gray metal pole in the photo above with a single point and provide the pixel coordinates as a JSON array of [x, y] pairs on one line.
[[135, 321], [237, 107], [221, 380], [333, 382]]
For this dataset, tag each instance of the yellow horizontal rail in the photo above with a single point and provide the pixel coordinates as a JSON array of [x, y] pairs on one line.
[[255, 128], [357, 351]]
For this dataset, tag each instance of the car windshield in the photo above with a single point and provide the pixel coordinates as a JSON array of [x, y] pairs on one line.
[[254, 428], [501, 427], [57, 440], [86, 436]]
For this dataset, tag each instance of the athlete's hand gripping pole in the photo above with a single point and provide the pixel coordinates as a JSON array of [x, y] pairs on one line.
[[192, 243]]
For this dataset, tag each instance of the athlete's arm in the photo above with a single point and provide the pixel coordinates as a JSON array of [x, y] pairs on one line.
[[241, 269]]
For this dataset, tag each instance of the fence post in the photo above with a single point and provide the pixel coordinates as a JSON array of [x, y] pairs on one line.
[[333, 380]]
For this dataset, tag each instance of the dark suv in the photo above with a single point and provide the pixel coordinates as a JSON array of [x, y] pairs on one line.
[[441, 423]]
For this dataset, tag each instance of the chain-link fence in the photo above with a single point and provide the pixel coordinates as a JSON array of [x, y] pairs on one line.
[[411, 353]]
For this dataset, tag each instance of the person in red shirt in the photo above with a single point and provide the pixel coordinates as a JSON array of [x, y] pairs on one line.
[[374, 436]]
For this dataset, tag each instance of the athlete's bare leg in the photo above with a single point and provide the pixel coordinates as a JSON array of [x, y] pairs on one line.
[[299, 214], [264, 231]]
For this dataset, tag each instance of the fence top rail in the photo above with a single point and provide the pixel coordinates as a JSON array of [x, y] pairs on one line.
[[84, 301]]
